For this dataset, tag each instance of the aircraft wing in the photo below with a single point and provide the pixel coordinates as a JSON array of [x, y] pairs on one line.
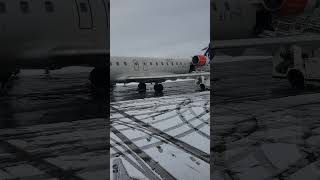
[[160, 78], [307, 40]]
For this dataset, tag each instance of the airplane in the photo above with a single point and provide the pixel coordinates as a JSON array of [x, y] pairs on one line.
[[48, 34], [157, 70], [238, 24]]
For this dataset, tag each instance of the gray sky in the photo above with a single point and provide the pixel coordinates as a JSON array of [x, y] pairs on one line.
[[159, 27]]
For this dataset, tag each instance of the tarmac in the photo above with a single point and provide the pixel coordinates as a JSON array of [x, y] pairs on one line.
[[260, 127]]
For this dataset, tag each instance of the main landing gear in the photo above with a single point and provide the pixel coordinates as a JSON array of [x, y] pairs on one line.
[[142, 87], [99, 80], [158, 88], [5, 76]]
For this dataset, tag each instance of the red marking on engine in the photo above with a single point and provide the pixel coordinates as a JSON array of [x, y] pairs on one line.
[[293, 7], [202, 60]]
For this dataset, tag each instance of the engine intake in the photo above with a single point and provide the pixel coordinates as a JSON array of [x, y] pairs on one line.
[[199, 60]]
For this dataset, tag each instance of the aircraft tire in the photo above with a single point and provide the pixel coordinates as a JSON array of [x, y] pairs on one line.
[[296, 79], [142, 87], [158, 88], [99, 78], [202, 87]]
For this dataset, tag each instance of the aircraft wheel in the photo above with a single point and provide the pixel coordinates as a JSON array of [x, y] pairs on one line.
[[99, 78], [202, 87], [142, 87], [296, 79], [158, 88]]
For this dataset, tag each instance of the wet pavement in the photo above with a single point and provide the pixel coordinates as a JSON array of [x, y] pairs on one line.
[[261, 128], [52, 128]]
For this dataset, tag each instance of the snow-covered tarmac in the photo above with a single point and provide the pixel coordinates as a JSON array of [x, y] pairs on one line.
[[260, 127], [274, 138], [161, 138]]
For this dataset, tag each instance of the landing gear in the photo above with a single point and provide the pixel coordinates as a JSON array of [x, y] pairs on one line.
[[296, 79], [158, 88], [99, 81], [99, 78], [142, 87], [202, 87], [4, 80]]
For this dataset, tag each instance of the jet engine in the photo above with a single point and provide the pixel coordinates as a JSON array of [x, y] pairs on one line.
[[199, 60]]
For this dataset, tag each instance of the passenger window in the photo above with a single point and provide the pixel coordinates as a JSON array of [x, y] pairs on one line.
[[110, 63], [180, 63], [125, 63], [177, 63], [117, 63], [144, 63], [83, 7], [24, 6], [156, 63], [162, 63], [167, 64], [172, 63], [227, 6], [214, 6], [150, 63], [2, 7], [49, 6]]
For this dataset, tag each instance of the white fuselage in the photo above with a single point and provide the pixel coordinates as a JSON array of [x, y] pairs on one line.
[[42, 34], [144, 66]]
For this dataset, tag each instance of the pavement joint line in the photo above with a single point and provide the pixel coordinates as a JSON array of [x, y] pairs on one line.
[[182, 145]]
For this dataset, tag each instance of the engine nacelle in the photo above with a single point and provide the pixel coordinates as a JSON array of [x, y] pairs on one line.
[[290, 7], [199, 60]]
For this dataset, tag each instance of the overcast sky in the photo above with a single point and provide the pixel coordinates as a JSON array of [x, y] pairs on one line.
[[159, 27]]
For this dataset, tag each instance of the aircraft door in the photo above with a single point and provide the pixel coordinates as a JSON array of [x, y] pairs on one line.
[[135, 65], [145, 65], [85, 14]]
